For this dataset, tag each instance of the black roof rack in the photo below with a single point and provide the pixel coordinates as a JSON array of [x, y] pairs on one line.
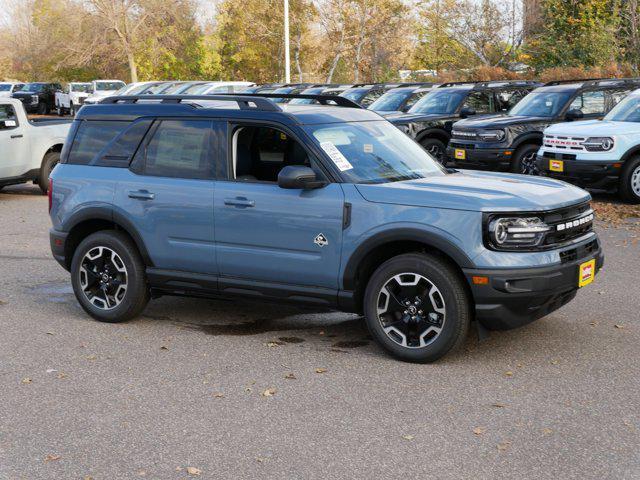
[[250, 101], [322, 99], [593, 81], [453, 84], [498, 83]]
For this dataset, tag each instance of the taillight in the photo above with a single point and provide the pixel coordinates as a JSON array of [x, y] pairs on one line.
[[50, 192]]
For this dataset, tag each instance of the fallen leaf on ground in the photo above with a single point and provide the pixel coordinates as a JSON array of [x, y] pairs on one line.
[[52, 458], [164, 348], [479, 430], [51, 370], [248, 390], [273, 344], [498, 405], [619, 326], [508, 373], [547, 431], [593, 324], [503, 446], [26, 380], [194, 471], [407, 437], [290, 376], [321, 370], [2, 302], [218, 395], [554, 362], [61, 375], [269, 392], [91, 357], [50, 333], [321, 332]]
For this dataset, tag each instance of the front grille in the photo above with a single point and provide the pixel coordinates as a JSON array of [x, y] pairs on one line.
[[567, 224], [564, 142], [559, 156], [574, 254], [464, 134], [465, 146]]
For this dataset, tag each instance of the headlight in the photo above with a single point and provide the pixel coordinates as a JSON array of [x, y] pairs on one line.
[[510, 233], [491, 135], [598, 144]]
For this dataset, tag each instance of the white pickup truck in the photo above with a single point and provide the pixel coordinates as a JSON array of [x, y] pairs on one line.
[[72, 97], [30, 149], [103, 89]]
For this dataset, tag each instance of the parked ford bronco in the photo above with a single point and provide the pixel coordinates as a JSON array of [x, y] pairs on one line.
[[509, 141], [430, 119], [328, 205], [597, 154]]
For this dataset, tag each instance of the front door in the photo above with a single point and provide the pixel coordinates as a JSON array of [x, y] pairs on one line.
[[15, 158], [268, 234]]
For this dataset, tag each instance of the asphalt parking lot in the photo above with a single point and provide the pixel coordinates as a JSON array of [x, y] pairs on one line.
[[232, 389]]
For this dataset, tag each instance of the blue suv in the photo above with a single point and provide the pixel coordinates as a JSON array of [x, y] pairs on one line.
[[322, 204]]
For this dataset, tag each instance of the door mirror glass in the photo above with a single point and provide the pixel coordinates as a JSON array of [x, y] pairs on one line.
[[298, 177], [574, 114]]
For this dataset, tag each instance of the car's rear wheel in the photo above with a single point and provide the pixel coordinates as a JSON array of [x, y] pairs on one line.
[[436, 148], [49, 162], [42, 108], [630, 180], [72, 109], [524, 160], [417, 308], [108, 277], [59, 110]]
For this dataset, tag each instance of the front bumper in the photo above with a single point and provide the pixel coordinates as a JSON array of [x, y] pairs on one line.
[[516, 297], [477, 157], [58, 241], [599, 174]]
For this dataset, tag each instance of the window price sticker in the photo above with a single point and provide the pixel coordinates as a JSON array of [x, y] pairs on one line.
[[336, 156]]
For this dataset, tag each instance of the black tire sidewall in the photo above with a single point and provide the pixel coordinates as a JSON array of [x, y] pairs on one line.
[[521, 152], [49, 162], [427, 142], [626, 191], [42, 108], [456, 303], [137, 294]]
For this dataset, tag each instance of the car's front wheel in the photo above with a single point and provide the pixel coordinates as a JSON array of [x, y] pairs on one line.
[[524, 160], [108, 277], [630, 180], [436, 149], [417, 308]]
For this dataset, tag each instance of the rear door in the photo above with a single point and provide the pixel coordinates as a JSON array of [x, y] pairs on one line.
[[168, 194], [268, 234], [15, 159]]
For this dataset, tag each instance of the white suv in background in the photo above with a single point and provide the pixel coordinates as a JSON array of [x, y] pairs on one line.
[[599, 154], [103, 89]]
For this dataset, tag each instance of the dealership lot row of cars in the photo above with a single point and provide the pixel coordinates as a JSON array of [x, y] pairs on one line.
[[497, 125]]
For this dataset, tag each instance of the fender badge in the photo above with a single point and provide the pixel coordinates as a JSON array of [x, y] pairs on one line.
[[321, 240]]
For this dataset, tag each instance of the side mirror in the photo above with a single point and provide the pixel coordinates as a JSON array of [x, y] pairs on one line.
[[574, 114], [298, 177], [467, 112]]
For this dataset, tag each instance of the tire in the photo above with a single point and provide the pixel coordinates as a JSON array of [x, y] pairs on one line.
[[436, 149], [629, 186], [450, 303], [122, 304], [49, 161], [72, 109], [42, 109], [59, 110], [524, 160]]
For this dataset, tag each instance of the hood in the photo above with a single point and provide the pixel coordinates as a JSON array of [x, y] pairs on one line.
[[23, 94], [418, 117], [102, 94], [594, 128], [478, 191], [498, 121]]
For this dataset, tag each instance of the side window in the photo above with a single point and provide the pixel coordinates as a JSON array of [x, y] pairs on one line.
[[613, 97], [259, 153], [481, 102], [371, 97], [91, 138], [120, 151], [508, 98], [591, 103], [8, 119], [180, 148]]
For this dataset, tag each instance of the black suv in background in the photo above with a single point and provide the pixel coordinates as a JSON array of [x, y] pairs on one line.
[[365, 94], [400, 99], [430, 120], [510, 141], [38, 97]]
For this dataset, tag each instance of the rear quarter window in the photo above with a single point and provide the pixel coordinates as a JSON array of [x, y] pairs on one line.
[[91, 137]]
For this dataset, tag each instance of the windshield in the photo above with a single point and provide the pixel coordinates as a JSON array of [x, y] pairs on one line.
[[354, 94], [628, 110], [102, 86], [440, 101], [390, 101], [374, 152], [32, 87], [5, 87], [541, 104], [84, 87]]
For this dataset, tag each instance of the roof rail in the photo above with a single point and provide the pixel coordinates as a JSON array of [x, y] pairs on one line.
[[498, 83], [251, 101], [336, 100], [451, 84]]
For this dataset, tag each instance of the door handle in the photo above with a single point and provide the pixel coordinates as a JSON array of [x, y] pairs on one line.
[[142, 195], [239, 202], [17, 136]]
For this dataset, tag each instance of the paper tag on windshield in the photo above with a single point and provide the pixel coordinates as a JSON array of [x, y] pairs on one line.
[[368, 148], [336, 156], [9, 123]]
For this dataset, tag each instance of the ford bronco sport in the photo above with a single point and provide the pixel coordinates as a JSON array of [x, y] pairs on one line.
[[602, 155], [509, 141], [329, 205], [430, 119]]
